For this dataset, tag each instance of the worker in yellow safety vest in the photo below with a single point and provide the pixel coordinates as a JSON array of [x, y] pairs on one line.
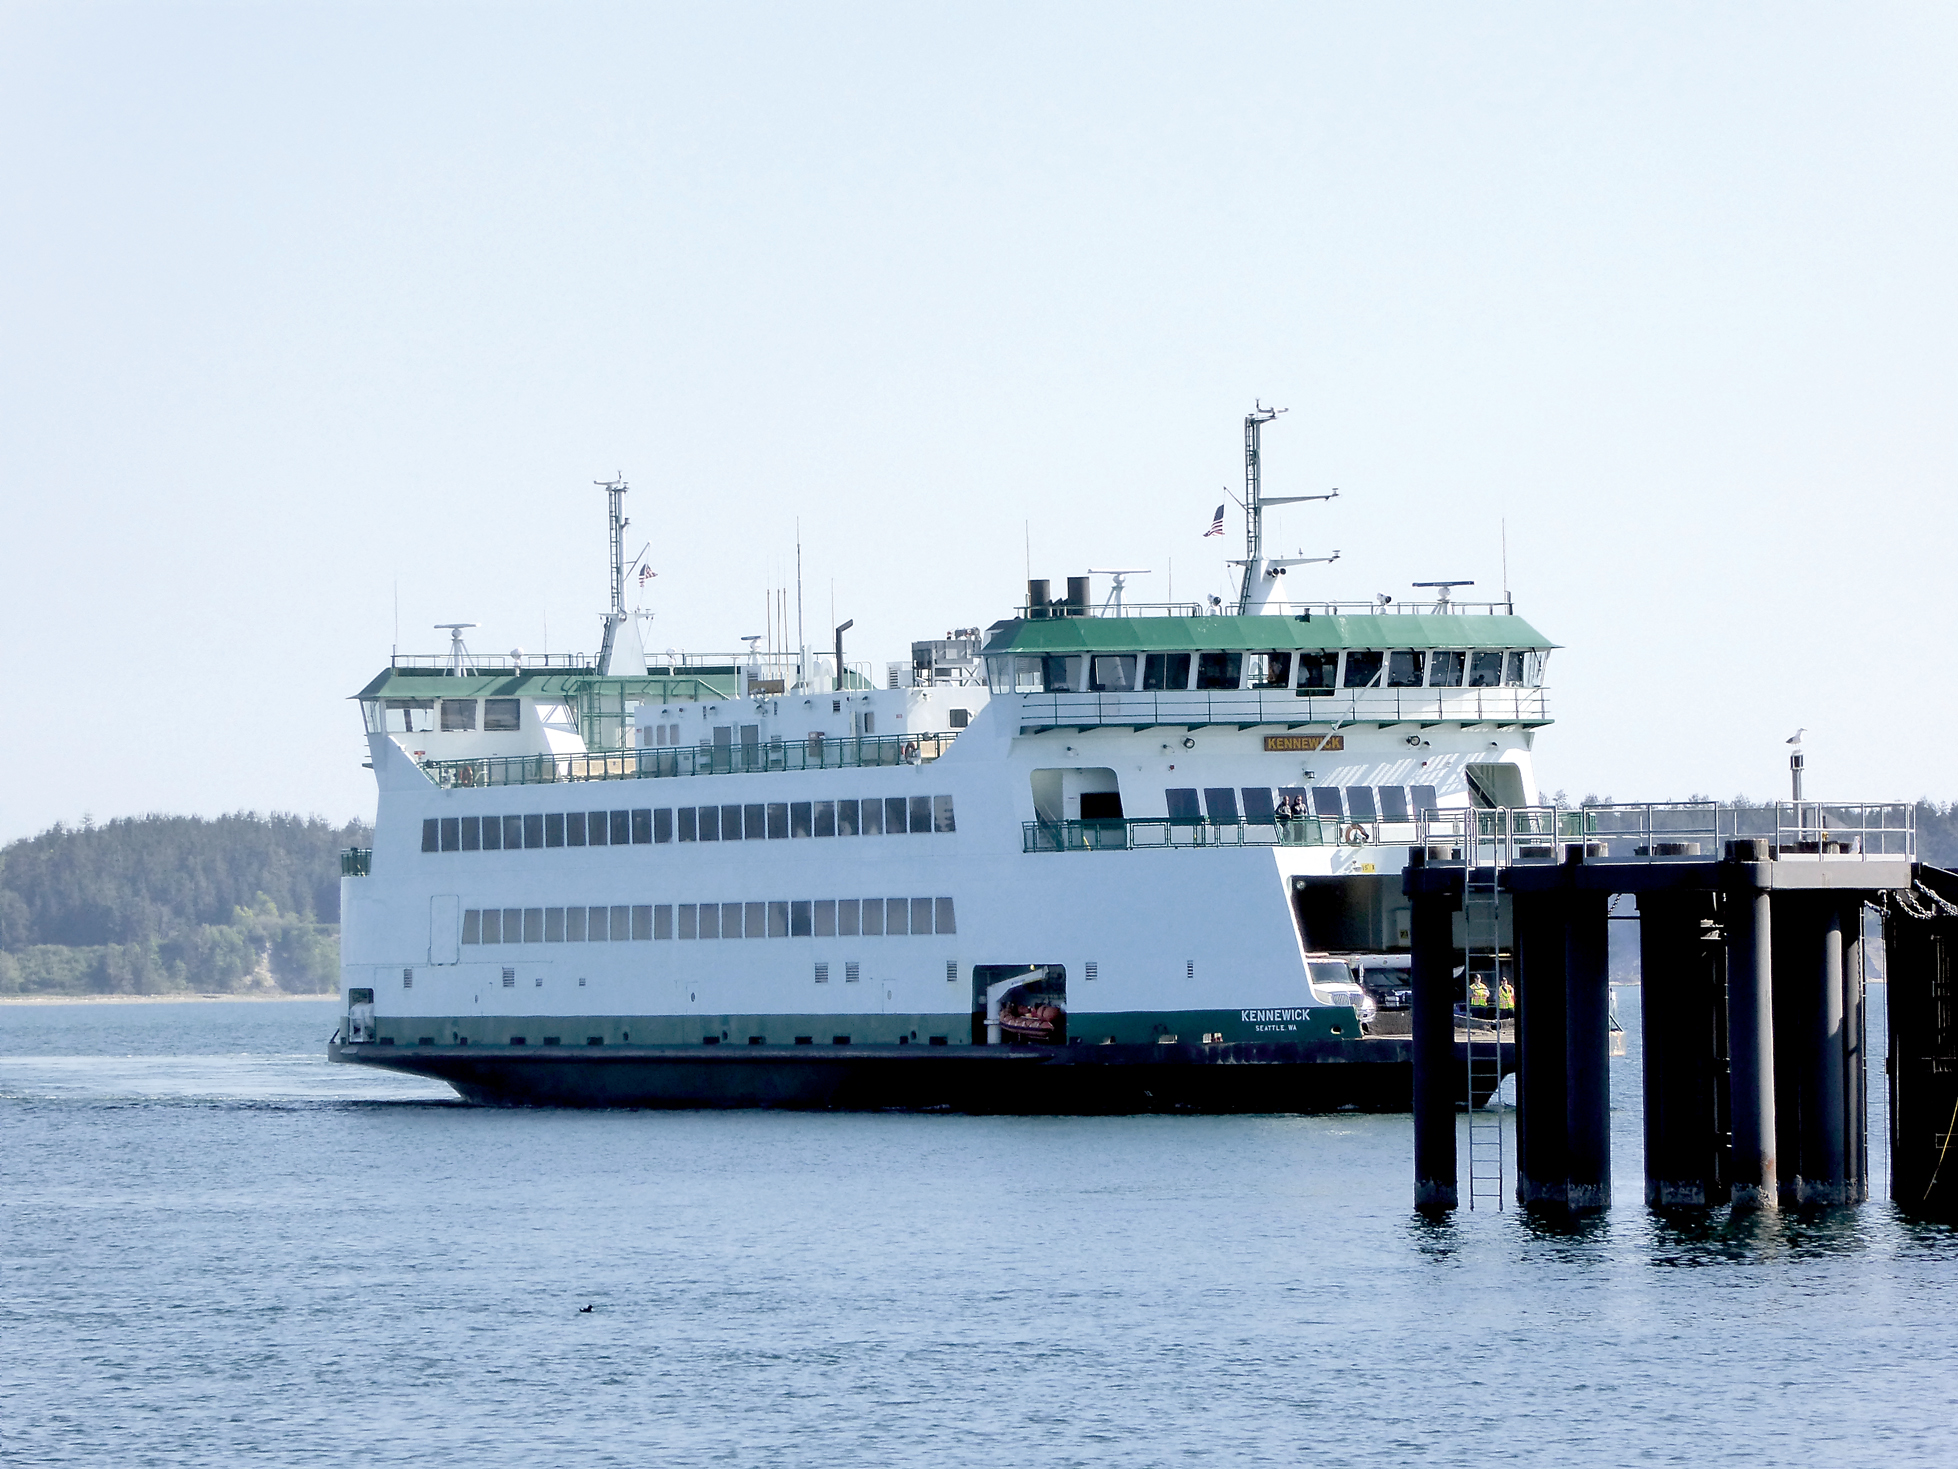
[[1478, 992], [1505, 996]]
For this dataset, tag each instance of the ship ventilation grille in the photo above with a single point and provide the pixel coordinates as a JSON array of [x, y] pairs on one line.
[[1189, 969], [1092, 970], [951, 971], [851, 973], [509, 979], [407, 979], [822, 974]]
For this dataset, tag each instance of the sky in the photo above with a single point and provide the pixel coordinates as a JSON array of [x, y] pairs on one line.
[[307, 312]]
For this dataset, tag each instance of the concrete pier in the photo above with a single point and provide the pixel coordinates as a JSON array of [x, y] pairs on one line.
[[1753, 1013]]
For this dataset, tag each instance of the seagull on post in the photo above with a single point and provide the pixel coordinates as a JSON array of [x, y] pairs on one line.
[[1796, 737]]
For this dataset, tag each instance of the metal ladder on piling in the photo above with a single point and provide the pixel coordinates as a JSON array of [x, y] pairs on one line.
[[1481, 955]]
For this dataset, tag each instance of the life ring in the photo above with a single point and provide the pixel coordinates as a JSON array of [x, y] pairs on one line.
[[1354, 835]]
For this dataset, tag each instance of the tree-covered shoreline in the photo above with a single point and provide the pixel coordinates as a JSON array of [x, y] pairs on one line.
[[237, 904]]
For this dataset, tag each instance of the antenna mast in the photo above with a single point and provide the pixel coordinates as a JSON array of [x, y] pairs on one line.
[[1254, 519], [1254, 510], [615, 513]]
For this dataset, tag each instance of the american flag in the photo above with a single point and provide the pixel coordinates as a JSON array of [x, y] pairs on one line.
[[1216, 523], [646, 574]]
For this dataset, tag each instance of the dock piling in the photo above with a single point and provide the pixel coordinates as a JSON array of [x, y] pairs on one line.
[[1587, 1050], [1542, 1094], [1750, 1026], [1432, 939]]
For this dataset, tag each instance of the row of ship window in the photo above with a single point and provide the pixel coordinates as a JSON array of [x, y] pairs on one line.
[[753, 821], [799, 918], [1306, 673], [1361, 803]]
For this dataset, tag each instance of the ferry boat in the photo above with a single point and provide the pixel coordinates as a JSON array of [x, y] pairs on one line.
[[1093, 858]]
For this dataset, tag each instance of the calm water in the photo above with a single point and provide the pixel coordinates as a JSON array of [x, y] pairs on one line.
[[217, 1249]]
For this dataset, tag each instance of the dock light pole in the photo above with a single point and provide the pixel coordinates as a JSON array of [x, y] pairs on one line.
[[839, 652]]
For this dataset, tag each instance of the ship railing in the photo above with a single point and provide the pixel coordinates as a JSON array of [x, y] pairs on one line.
[[1293, 708], [817, 752], [1041, 611], [1663, 831], [1131, 834], [474, 664], [356, 861]]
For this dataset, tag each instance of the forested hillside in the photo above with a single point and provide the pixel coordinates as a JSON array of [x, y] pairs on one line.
[[152, 904]]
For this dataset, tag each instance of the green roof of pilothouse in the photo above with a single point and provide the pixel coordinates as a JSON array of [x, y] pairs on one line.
[[1262, 634]]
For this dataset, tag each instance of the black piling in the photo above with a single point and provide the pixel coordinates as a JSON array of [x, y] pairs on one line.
[[1750, 1024], [1682, 982], [1921, 967], [1542, 1093], [1436, 1072], [1587, 1049]]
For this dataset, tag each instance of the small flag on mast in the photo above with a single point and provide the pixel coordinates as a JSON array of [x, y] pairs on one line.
[[1216, 523], [646, 574]]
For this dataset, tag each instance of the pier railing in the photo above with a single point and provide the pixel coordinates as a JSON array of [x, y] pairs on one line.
[[815, 753], [1137, 835], [1670, 830], [1289, 707]]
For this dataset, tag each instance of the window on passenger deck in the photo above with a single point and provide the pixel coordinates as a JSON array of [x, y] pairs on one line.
[[1513, 674], [846, 818], [1112, 673], [502, 715], [1325, 803], [1258, 805], [1221, 803], [872, 817], [554, 829], [1393, 803], [1317, 670], [823, 819], [1271, 670], [458, 714], [1219, 670], [1445, 670], [896, 823], [1485, 670], [1363, 669], [1182, 804], [596, 826], [1405, 668], [1359, 803], [1166, 671]]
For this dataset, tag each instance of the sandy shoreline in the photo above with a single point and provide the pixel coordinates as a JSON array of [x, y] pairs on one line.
[[191, 998]]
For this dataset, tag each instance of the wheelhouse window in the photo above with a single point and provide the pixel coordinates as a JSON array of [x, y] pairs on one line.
[[1015, 675], [1485, 670], [1166, 671], [1060, 675], [458, 714], [410, 716], [1363, 669], [1112, 673], [1513, 672], [1406, 669], [1445, 670], [1220, 670], [1317, 670], [1271, 670], [502, 715]]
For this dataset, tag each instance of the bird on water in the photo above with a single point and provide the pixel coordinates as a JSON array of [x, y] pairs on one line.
[[584, 1310]]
